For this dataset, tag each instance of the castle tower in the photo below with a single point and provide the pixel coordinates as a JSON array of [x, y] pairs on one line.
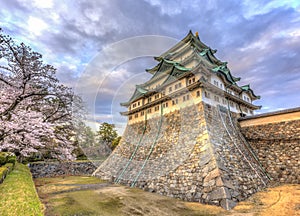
[[182, 137]]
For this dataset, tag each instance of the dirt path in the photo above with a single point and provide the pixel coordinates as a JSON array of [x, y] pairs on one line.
[[91, 196]]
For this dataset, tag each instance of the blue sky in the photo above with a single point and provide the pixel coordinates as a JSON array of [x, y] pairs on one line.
[[260, 40]]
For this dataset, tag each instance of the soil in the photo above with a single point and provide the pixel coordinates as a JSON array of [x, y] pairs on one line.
[[91, 196]]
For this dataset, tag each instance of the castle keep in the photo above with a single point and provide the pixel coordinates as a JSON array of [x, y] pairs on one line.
[[182, 138]]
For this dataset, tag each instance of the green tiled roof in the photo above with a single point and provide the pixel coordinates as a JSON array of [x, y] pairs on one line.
[[247, 88], [138, 93]]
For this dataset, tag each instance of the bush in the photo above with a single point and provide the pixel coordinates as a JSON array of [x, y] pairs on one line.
[[11, 159], [7, 157], [3, 158], [5, 170]]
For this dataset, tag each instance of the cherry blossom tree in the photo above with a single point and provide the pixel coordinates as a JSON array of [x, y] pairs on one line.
[[37, 113]]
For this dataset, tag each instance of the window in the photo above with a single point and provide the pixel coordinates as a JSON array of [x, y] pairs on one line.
[[149, 110], [130, 117], [149, 99], [178, 85], [221, 85], [183, 98], [136, 115], [231, 103], [216, 98], [223, 101], [170, 88], [156, 108], [142, 113], [187, 97], [190, 82], [206, 94], [163, 93], [134, 105], [198, 93], [216, 83], [156, 96], [194, 79], [175, 101], [138, 103], [166, 104]]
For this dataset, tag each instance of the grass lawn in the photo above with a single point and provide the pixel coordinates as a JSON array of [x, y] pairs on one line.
[[18, 194]]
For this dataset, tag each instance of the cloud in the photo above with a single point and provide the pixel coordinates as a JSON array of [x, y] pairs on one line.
[[260, 40]]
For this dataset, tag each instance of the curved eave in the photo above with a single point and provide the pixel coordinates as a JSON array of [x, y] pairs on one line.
[[246, 88], [173, 77], [209, 53], [138, 94], [190, 37], [160, 64], [227, 77]]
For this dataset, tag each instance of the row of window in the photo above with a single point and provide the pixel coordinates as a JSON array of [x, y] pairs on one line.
[[231, 103], [164, 105], [246, 98], [192, 80], [216, 83], [177, 86]]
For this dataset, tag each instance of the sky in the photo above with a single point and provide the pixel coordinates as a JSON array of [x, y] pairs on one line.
[[102, 48]]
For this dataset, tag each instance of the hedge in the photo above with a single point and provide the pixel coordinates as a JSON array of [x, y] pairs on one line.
[[18, 194]]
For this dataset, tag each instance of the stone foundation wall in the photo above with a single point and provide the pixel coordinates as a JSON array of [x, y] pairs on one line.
[[195, 154], [52, 169], [277, 145]]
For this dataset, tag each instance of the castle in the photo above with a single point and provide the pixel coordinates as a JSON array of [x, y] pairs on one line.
[[187, 72], [183, 138]]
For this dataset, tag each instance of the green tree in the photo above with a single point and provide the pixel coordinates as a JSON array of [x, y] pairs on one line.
[[115, 142], [107, 134]]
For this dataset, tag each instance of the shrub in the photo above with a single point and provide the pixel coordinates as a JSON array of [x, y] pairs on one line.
[[3, 158], [5, 170], [11, 159], [7, 157]]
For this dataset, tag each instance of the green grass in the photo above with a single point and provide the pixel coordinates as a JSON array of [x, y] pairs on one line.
[[18, 194]]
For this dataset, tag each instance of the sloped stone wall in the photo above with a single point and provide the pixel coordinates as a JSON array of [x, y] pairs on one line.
[[197, 156], [52, 169], [277, 145]]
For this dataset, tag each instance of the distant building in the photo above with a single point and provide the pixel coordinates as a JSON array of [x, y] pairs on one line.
[[186, 74]]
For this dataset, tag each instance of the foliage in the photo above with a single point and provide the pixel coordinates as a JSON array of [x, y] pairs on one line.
[[85, 137], [7, 157], [18, 194], [107, 134], [4, 170], [3, 158], [115, 142], [36, 112]]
